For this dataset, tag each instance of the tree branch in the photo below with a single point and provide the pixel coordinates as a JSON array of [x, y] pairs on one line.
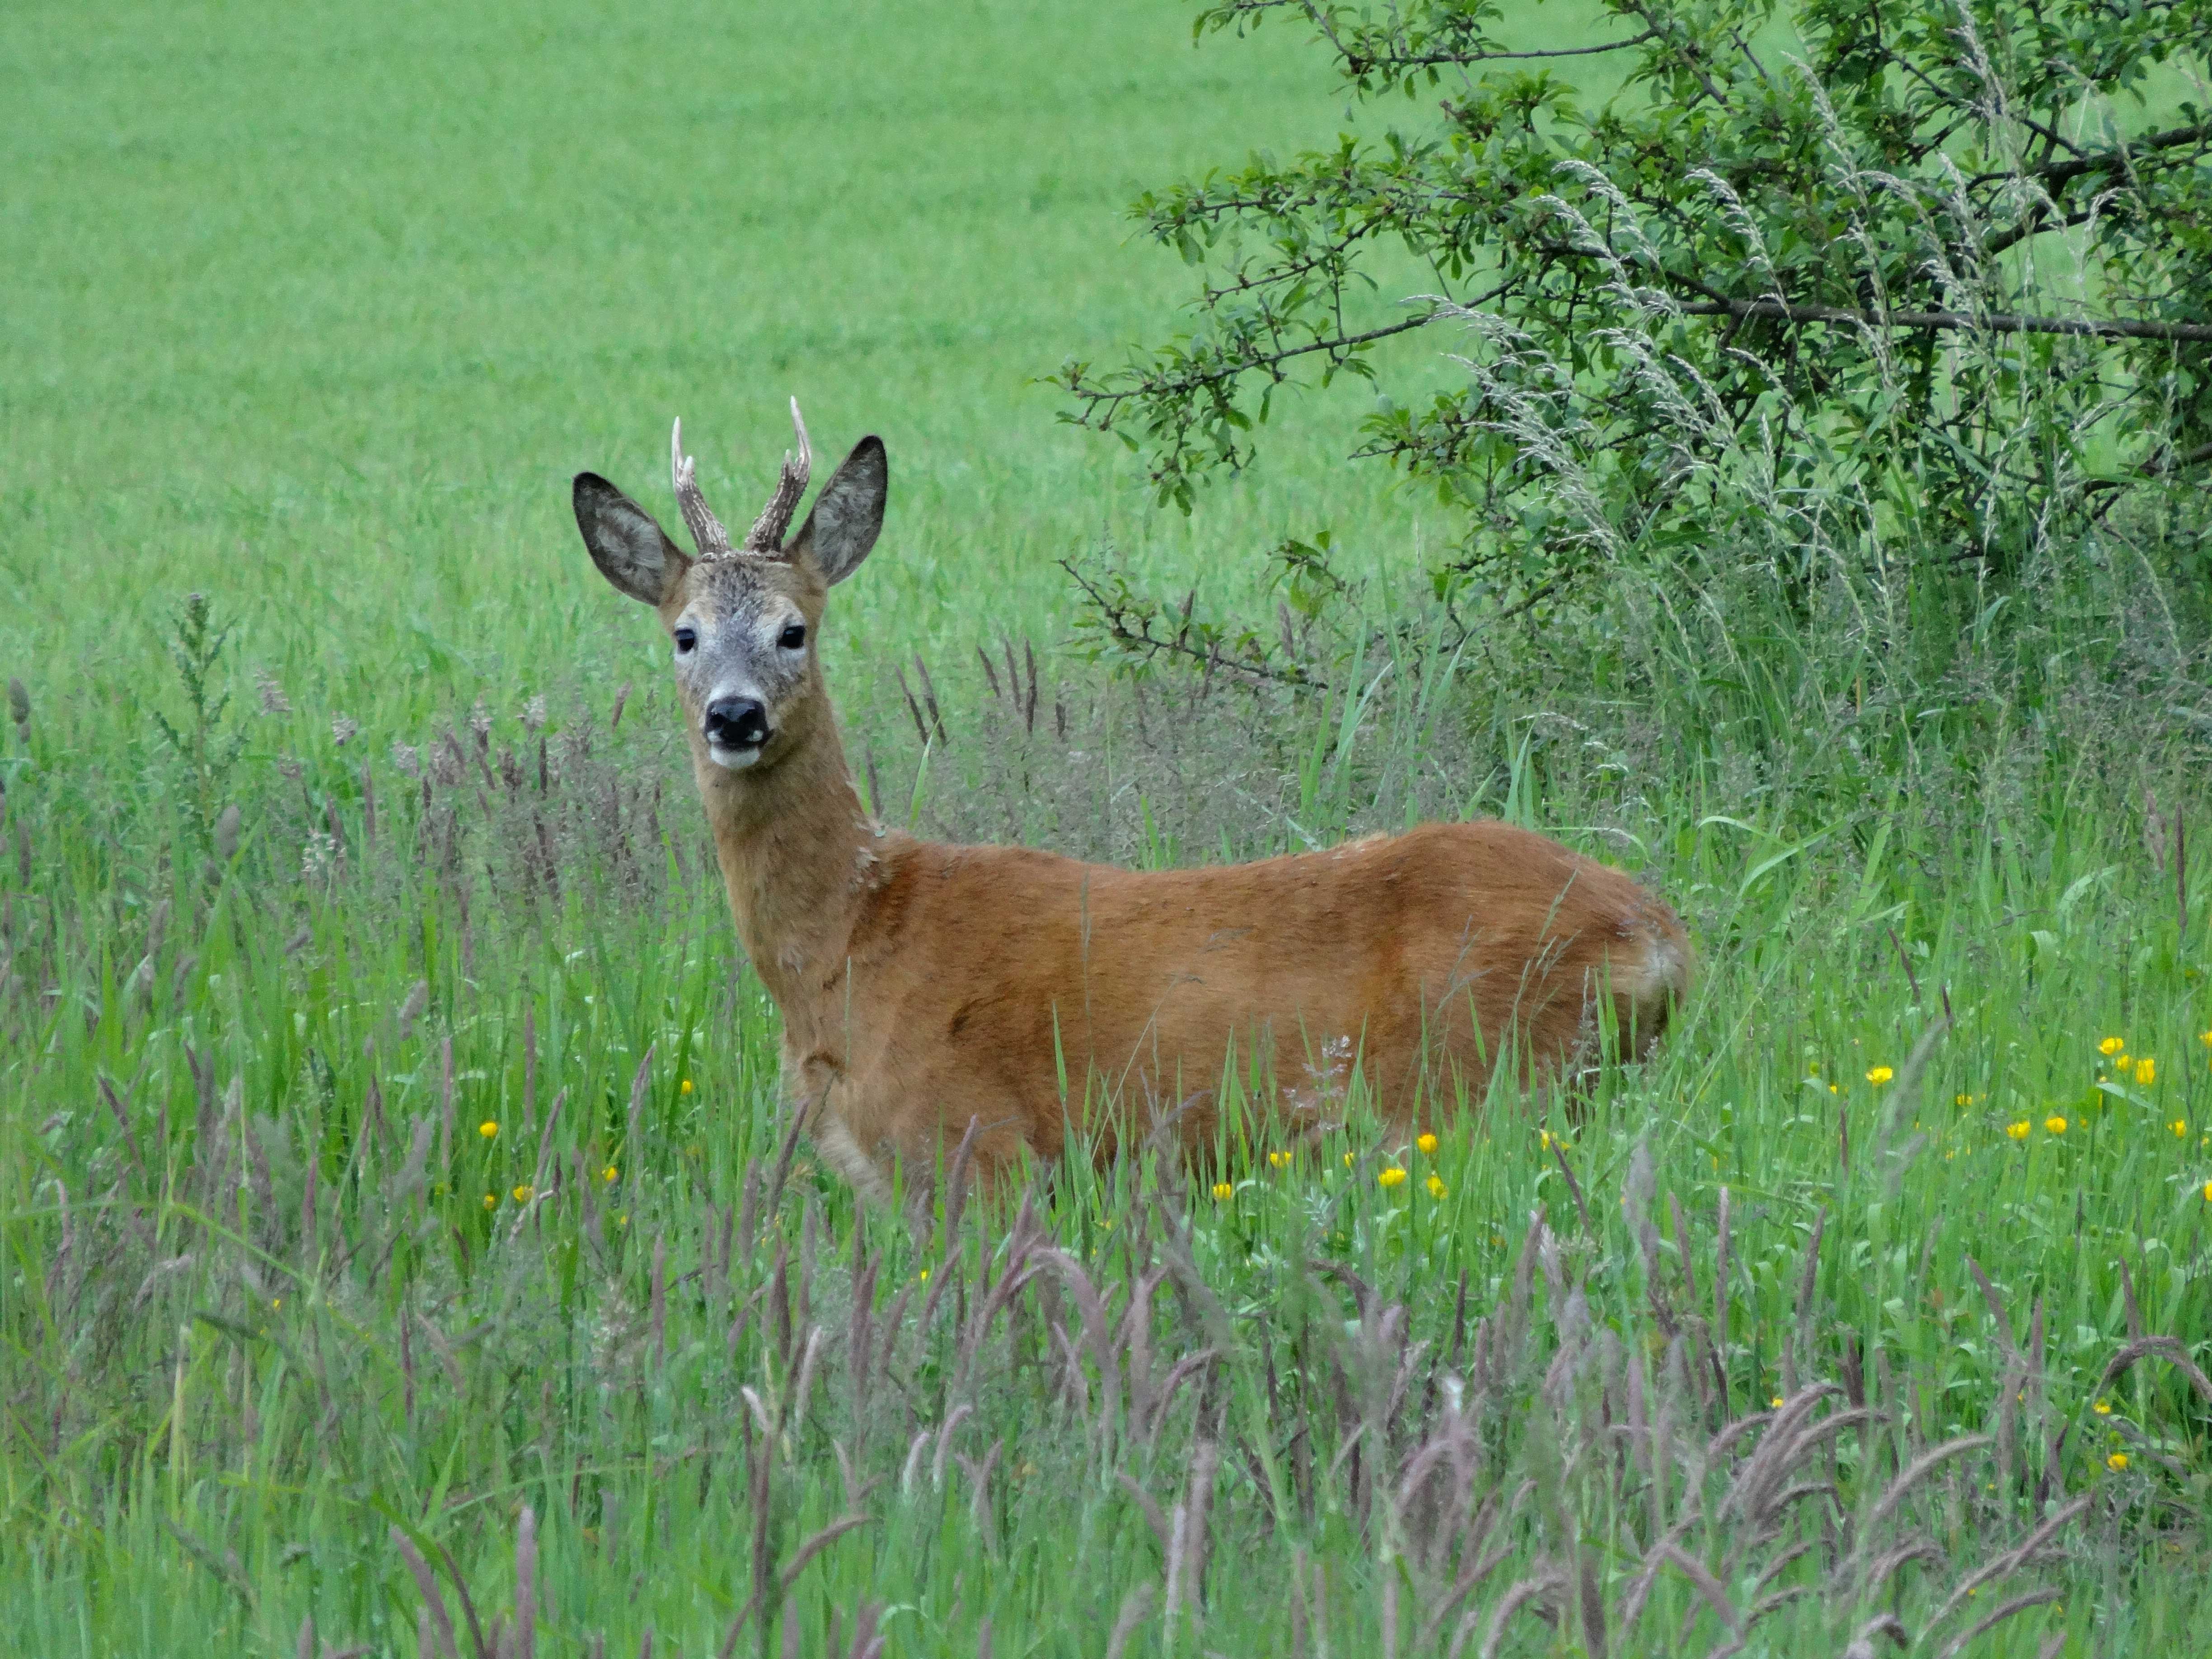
[[1129, 626], [2059, 171], [2034, 225], [1436, 60], [1996, 322], [1266, 362]]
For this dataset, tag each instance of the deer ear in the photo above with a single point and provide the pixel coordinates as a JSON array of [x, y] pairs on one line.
[[847, 515], [631, 550]]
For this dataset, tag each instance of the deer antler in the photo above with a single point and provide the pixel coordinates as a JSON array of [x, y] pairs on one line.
[[766, 537], [706, 529]]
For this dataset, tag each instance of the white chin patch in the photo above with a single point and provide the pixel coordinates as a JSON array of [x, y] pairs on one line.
[[732, 760]]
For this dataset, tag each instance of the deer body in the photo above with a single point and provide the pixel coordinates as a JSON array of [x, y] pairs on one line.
[[925, 988]]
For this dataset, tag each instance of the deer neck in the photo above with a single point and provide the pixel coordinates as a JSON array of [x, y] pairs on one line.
[[798, 857]]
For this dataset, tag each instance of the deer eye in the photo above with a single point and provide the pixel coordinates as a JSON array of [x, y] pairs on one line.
[[685, 639], [793, 637]]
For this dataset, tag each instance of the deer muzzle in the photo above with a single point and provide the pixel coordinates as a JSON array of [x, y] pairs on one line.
[[738, 724]]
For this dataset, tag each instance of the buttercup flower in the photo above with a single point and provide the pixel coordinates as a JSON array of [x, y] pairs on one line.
[[685, 1087], [1223, 1191], [488, 1129], [2146, 1070], [522, 1193], [2102, 1408], [2056, 1126], [1426, 1143], [2112, 1045], [609, 1174], [2180, 1128], [2017, 1131], [491, 1200], [1777, 1402], [2116, 1461], [1278, 1160], [1879, 1075], [1437, 1188], [1391, 1177]]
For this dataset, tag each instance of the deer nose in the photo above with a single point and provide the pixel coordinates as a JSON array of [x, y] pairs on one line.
[[737, 723]]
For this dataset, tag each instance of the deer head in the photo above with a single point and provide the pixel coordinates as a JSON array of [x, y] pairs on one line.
[[742, 620]]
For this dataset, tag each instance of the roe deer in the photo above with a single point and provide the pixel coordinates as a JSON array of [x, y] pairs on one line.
[[930, 990]]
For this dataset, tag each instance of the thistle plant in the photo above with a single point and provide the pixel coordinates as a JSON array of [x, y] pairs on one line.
[[205, 747]]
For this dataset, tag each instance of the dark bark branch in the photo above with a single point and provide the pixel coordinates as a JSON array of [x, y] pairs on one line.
[[1996, 322], [1438, 59], [2052, 138], [2034, 225], [2057, 172], [1132, 631], [1266, 361]]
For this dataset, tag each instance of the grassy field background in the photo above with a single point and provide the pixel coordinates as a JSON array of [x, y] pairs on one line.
[[389, 1169], [322, 307]]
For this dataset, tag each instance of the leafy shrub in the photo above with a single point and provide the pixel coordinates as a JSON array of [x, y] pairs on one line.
[[1820, 277]]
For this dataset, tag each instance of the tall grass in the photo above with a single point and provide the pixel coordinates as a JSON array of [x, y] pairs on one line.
[[279, 1292]]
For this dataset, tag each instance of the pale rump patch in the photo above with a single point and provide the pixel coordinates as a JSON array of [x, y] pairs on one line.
[[1661, 971]]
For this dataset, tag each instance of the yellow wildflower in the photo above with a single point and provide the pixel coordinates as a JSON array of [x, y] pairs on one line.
[[1391, 1177], [522, 1193], [488, 1129], [685, 1087], [1962, 1100], [276, 1301], [609, 1174], [1426, 1143], [2017, 1131], [2112, 1045], [2116, 1461], [2056, 1126], [925, 1276], [1437, 1188], [1777, 1402], [2180, 1128], [1278, 1160], [491, 1200], [1831, 1089], [1879, 1075], [2207, 1191], [1347, 1160], [1544, 1140], [1223, 1191], [2146, 1070], [2102, 1408]]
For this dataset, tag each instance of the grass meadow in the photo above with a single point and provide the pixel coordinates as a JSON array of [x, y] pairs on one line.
[[404, 1255]]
